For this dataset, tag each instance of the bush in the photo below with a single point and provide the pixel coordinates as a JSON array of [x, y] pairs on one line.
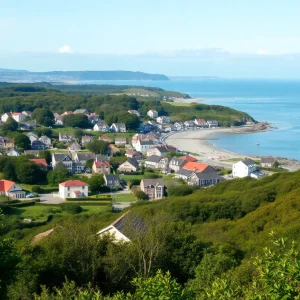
[[152, 176], [72, 208], [36, 189], [140, 195]]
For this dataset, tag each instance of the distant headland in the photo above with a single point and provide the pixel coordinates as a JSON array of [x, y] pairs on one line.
[[64, 76]]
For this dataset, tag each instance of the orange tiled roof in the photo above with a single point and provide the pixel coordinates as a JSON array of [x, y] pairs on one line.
[[189, 158], [39, 161], [195, 166], [5, 185], [70, 183], [100, 163]]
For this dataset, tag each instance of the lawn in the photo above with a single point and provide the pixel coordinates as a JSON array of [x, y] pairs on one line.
[[123, 197], [91, 210], [132, 177], [180, 103], [38, 213]]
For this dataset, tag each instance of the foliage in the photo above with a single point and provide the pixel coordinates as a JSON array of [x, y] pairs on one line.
[[131, 121], [89, 163], [10, 125], [98, 147], [140, 195], [96, 182], [76, 120], [43, 116], [22, 141], [55, 177], [43, 131], [71, 208], [47, 155], [181, 190]]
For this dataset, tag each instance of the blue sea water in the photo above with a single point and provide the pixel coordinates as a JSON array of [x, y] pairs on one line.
[[275, 101]]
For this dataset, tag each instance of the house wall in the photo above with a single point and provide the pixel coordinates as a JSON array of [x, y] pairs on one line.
[[67, 192], [127, 167], [111, 230], [240, 170]]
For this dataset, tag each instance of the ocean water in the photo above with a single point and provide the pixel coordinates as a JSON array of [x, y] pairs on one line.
[[275, 101]]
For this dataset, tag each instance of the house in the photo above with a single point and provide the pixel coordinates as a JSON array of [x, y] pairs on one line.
[[201, 123], [146, 127], [189, 124], [83, 157], [18, 117], [38, 145], [154, 137], [163, 163], [161, 150], [212, 123], [132, 154], [85, 139], [163, 120], [66, 137], [179, 126], [112, 180], [35, 153], [113, 149], [143, 146], [62, 158], [105, 138], [153, 188], [66, 113], [32, 136], [13, 152], [208, 177], [267, 162], [6, 143], [28, 126], [81, 111], [188, 158], [196, 166], [152, 113], [27, 113], [118, 127], [101, 167], [46, 140], [243, 168], [5, 117], [41, 162], [120, 140], [152, 161], [169, 128], [11, 189], [102, 158], [74, 147], [183, 174], [176, 163], [58, 119], [131, 165], [93, 118], [73, 189], [134, 112], [101, 126]]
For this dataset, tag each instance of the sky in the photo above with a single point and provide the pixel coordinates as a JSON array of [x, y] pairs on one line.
[[240, 38]]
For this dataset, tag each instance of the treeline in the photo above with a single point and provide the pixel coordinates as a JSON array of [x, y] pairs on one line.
[[19, 98]]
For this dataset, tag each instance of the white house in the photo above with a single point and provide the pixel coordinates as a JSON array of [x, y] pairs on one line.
[[73, 189], [243, 168], [66, 137], [101, 126], [152, 113], [179, 126], [5, 117], [212, 123], [46, 140], [134, 112], [201, 123], [118, 127], [11, 189], [32, 136], [143, 146], [13, 152], [153, 188], [18, 117], [163, 120]]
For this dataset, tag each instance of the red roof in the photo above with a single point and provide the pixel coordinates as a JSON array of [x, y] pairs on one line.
[[101, 163], [195, 166], [70, 183], [6, 185], [16, 113], [189, 158], [77, 192], [39, 161]]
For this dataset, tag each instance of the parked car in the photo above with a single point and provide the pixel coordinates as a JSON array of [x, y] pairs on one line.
[[30, 195]]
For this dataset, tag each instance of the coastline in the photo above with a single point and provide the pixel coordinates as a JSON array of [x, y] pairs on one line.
[[199, 144]]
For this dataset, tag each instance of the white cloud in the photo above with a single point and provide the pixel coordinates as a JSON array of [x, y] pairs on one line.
[[65, 49], [262, 52]]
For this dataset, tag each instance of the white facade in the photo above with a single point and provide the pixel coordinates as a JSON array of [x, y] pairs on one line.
[[143, 146], [115, 233], [103, 127], [5, 117], [19, 117], [152, 113], [163, 120], [242, 169], [75, 190], [32, 136]]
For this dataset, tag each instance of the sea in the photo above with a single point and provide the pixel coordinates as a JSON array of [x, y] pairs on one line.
[[272, 100]]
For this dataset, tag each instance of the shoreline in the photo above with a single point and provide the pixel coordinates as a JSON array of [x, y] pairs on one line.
[[198, 143]]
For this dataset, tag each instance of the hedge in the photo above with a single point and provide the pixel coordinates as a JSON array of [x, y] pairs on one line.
[[90, 203], [20, 203], [88, 199]]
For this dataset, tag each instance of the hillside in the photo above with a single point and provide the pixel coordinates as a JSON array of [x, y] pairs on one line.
[[64, 76]]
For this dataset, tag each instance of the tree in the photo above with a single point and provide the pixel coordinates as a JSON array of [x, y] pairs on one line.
[[89, 163], [98, 147], [76, 120], [29, 173], [22, 141], [131, 121], [55, 177], [9, 170], [47, 155], [78, 133], [43, 116], [10, 125], [115, 162], [96, 182], [276, 164], [140, 195], [44, 131]]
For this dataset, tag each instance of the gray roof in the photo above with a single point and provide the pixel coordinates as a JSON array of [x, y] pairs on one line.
[[176, 161], [86, 156], [134, 162], [113, 177], [102, 158], [208, 175], [184, 172], [248, 162], [145, 142], [153, 182], [268, 160], [61, 156], [153, 158]]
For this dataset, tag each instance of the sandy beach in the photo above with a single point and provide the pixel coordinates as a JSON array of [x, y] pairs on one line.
[[199, 144]]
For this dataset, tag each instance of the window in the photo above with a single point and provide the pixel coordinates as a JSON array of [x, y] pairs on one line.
[[68, 194], [68, 188]]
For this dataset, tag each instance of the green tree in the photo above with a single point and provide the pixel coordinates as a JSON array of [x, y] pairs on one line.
[[131, 121], [29, 173], [89, 163], [10, 125], [55, 177], [78, 133], [140, 195], [47, 155], [76, 120], [116, 161], [22, 141], [96, 182], [43, 116], [43, 131], [98, 147], [9, 170]]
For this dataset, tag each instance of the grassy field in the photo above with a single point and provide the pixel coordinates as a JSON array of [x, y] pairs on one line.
[[124, 197], [236, 159], [179, 103]]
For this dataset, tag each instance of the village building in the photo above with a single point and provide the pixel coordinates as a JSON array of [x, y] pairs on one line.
[[46, 140], [204, 178], [177, 163], [131, 165], [118, 127], [13, 152], [143, 146], [152, 113], [93, 118], [83, 157], [189, 124], [5, 117], [268, 162], [32, 136], [81, 111], [201, 123], [62, 158], [6, 143], [153, 188], [41, 162], [134, 112], [18, 117], [58, 119], [11, 189], [38, 145], [66, 137], [105, 138], [120, 140], [179, 126], [74, 147], [212, 123], [146, 127], [73, 189], [183, 174], [102, 158], [85, 139], [161, 150], [152, 161], [27, 113], [112, 180], [101, 126], [66, 113], [245, 168], [101, 167], [163, 120]]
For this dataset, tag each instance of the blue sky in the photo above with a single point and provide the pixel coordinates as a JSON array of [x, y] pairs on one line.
[[97, 34]]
